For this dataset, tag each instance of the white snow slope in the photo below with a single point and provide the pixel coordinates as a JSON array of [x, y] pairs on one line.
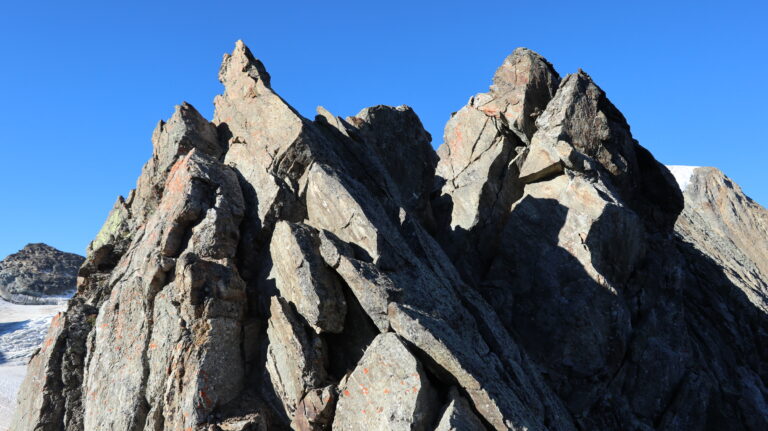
[[22, 329], [682, 174]]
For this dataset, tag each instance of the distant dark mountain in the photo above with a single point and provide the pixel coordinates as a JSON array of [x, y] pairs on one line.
[[36, 272]]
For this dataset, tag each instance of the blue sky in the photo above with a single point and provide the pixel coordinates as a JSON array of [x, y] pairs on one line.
[[84, 83]]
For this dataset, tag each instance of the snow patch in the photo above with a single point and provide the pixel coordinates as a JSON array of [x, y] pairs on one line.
[[11, 376], [22, 329], [682, 174]]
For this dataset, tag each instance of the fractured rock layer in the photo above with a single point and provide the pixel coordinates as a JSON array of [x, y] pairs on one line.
[[275, 272]]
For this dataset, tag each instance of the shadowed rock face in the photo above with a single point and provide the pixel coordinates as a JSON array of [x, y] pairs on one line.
[[275, 272], [37, 271], [724, 223]]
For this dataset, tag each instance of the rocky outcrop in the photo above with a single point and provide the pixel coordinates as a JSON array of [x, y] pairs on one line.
[[38, 271], [482, 153], [276, 272]]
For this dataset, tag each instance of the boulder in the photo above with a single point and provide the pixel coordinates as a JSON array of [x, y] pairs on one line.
[[458, 415], [388, 390], [295, 357], [315, 411], [304, 279]]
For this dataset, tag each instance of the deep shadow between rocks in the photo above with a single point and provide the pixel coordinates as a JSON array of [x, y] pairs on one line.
[[573, 326], [673, 303], [729, 335], [346, 348]]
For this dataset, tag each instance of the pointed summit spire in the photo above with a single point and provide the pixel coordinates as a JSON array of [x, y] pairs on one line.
[[243, 74], [249, 112], [524, 83]]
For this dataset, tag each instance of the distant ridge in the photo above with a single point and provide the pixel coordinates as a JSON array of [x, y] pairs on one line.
[[723, 222]]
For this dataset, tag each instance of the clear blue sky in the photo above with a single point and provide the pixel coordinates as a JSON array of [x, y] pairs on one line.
[[84, 83]]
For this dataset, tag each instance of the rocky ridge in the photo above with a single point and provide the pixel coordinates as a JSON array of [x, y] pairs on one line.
[[728, 226], [275, 272], [38, 271]]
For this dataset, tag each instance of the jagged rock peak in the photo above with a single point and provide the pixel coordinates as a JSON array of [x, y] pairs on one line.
[[485, 145], [242, 72], [36, 271], [316, 274], [582, 131], [185, 130], [525, 74]]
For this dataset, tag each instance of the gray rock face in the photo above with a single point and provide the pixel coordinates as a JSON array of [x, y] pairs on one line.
[[403, 146], [184, 256], [388, 390], [480, 159], [303, 278], [275, 272], [37, 271], [295, 358]]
